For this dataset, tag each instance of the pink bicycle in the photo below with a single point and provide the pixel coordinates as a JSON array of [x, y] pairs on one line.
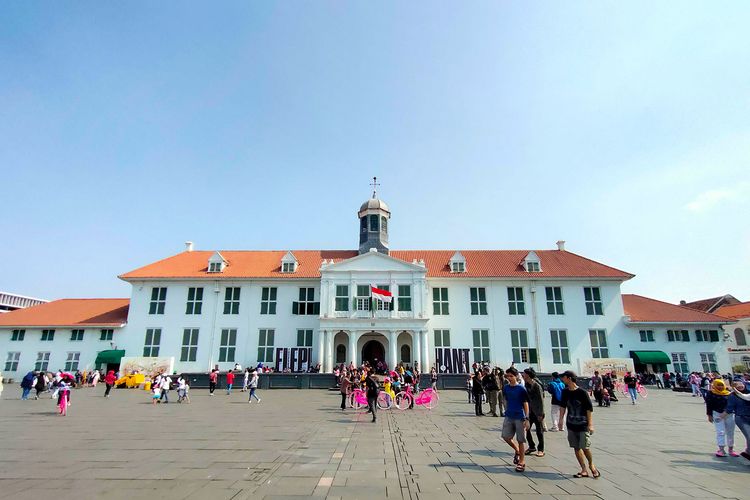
[[427, 398], [358, 399]]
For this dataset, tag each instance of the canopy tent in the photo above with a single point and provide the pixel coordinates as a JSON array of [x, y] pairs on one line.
[[111, 356], [650, 357]]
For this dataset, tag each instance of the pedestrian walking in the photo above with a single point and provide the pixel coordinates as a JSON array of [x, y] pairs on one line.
[[372, 395], [433, 378], [596, 387], [477, 391], [213, 378], [26, 384], [739, 404], [717, 400], [555, 388], [109, 381], [165, 384], [536, 412], [253, 386], [245, 379], [492, 389], [632, 383], [580, 423], [469, 386], [344, 386], [516, 421], [230, 381], [40, 384]]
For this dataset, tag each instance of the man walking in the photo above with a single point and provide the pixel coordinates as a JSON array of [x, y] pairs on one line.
[[536, 412], [372, 394], [492, 388], [580, 423], [516, 421], [596, 386], [213, 378], [165, 384], [230, 381], [632, 384]]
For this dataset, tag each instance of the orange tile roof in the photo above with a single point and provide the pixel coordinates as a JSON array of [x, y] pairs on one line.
[[479, 263], [644, 310], [706, 305], [735, 311], [70, 312]]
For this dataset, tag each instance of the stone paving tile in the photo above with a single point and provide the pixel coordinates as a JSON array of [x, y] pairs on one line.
[[658, 449]]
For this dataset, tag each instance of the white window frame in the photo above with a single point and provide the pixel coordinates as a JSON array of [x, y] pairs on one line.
[[678, 360], [599, 349], [363, 301], [708, 361], [516, 304], [592, 296], [440, 303], [404, 299], [560, 347], [647, 335], [18, 335], [268, 297], [304, 337], [288, 267], [481, 343], [42, 361], [341, 300], [76, 334], [48, 335], [555, 303], [158, 300], [478, 302], [72, 361], [107, 334], [194, 304], [266, 337], [678, 336], [442, 337], [533, 266], [232, 300]]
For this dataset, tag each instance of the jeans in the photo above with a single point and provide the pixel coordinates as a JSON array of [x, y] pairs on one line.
[[229, 388], [253, 395], [25, 393], [724, 429], [696, 390], [535, 420], [471, 396], [633, 393], [164, 395], [743, 424], [478, 404]]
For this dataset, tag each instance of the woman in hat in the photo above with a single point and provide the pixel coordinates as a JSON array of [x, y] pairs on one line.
[[716, 405]]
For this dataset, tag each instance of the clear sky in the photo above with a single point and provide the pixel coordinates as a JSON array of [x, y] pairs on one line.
[[128, 128]]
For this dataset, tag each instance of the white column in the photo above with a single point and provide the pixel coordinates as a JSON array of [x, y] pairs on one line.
[[329, 352], [415, 349], [352, 351], [321, 354], [392, 349], [425, 350]]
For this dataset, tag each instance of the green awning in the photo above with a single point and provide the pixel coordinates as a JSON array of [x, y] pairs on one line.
[[651, 357], [111, 356]]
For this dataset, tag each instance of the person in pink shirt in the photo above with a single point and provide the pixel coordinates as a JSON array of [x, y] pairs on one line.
[[230, 381], [213, 378]]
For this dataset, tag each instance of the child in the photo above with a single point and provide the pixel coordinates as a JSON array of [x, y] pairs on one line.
[[181, 389], [63, 388], [156, 395], [716, 405], [605, 397], [388, 389]]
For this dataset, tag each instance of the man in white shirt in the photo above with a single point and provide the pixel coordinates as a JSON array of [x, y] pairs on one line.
[[165, 383]]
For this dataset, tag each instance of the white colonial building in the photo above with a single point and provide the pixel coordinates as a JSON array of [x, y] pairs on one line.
[[291, 309]]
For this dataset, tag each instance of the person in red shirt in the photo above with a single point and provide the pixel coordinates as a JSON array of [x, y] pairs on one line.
[[230, 381], [213, 378], [109, 380]]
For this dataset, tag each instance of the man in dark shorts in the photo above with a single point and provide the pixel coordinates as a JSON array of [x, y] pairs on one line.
[[580, 422]]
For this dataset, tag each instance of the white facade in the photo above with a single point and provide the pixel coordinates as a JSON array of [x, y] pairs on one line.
[[738, 339]]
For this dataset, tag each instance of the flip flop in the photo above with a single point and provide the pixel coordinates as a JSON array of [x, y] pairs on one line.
[[520, 467], [596, 474], [581, 474], [539, 453], [515, 458]]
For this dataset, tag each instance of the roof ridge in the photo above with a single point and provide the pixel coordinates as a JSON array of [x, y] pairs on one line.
[[676, 305], [599, 263]]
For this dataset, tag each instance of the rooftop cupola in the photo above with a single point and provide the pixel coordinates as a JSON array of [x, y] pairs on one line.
[[373, 223]]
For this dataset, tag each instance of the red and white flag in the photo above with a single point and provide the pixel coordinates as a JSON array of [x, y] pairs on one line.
[[381, 294]]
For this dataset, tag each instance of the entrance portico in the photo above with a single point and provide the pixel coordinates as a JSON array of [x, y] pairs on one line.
[[343, 346]]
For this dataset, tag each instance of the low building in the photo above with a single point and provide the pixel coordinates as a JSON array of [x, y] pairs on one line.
[[738, 333], [666, 337], [13, 301], [67, 334]]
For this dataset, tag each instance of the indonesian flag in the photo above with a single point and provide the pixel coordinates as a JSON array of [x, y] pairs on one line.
[[380, 294]]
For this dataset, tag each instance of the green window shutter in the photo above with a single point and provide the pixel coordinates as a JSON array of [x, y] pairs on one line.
[[533, 356], [316, 308], [295, 307]]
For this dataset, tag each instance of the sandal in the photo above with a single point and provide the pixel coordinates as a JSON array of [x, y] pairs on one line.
[[581, 474], [520, 467], [539, 453], [515, 458], [596, 474]]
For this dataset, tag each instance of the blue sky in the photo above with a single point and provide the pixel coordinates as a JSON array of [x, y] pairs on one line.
[[126, 129]]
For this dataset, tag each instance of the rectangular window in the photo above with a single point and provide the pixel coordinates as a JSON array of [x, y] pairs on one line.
[[306, 303], [304, 338], [42, 361], [11, 361], [554, 300], [214, 267], [189, 350], [478, 301], [516, 305], [363, 298], [404, 297], [107, 334], [598, 344], [232, 300], [76, 335], [288, 267], [593, 298], [381, 305], [679, 362], [342, 298], [678, 336], [158, 299], [560, 353], [458, 267], [151, 344], [442, 338], [647, 335], [18, 335], [519, 340], [532, 267], [71, 363], [268, 300], [194, 300], [48, 335], [440, 301], [265, 346], [708, 361], [228, 345], [481, 345], [707, 335]]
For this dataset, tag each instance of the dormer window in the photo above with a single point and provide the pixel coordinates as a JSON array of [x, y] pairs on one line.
[[289, 263], [216, 263], [531, 263], [458, 263]]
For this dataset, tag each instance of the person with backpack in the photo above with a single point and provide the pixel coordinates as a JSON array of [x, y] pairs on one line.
[[477, 391], [492, 389], [555, 388]]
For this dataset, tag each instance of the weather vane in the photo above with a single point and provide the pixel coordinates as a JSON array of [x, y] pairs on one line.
[[374, 185]]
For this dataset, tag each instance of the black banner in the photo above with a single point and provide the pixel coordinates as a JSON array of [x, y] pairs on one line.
[[296, 359], [454, 360]]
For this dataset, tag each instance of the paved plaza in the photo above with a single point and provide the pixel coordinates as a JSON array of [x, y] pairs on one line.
[[298, 443]]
